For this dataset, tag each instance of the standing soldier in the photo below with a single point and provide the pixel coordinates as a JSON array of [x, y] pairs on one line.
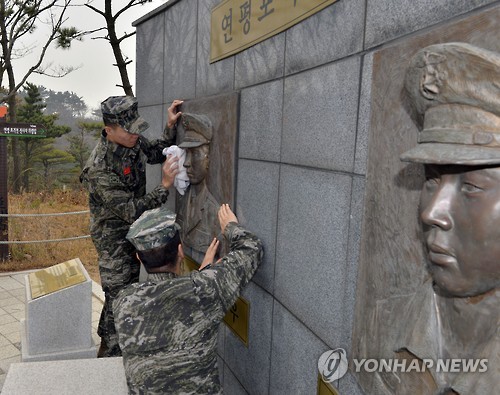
[[115, 175]]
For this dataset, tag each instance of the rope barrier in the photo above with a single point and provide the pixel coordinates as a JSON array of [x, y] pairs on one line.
[[44, 215], [45, 241]]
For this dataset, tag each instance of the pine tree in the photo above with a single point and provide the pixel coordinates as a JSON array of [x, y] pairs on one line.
[[39, 150]]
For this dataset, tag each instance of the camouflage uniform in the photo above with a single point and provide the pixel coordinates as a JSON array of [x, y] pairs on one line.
[[168, 326], [116, 179]]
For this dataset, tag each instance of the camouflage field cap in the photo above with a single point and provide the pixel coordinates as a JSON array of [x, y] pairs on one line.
[[454, 91], [153, 229], [122, 110], [197, 130]]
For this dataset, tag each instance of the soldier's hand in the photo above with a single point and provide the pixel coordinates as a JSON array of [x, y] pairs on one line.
[[210, 254], [169, 170], [173, 114], [226, 215]]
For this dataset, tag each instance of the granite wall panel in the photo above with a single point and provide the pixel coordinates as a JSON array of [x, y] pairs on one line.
[[231, 384], [311, 247], [319, 116], [387, 19], [149, 63], [212, 78], [364, 114], [180, 51], [260, 215], [295, 354], [262, 62], [260, 122], [333, 33]]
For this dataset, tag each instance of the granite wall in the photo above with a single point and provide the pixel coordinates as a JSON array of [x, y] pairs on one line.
[[304, 133]]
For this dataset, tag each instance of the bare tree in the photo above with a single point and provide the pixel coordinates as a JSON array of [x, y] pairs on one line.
[[18, 19], [114, 40]]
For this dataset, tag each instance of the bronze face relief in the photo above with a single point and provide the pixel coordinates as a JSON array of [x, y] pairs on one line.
[[197, 211], [196, 164], [453, 96], [460, 213], [454, 91]]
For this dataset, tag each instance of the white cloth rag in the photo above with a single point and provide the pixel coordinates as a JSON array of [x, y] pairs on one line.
[[181, 181]]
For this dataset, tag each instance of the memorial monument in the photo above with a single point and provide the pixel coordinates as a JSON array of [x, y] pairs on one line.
[[58, 323], [448, 329]]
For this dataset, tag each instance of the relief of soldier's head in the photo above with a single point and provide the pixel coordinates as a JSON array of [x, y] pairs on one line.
[[454, 90], [196, 142]]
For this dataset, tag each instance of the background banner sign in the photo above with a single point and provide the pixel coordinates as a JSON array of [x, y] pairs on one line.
[[239, 24], [21, 130]]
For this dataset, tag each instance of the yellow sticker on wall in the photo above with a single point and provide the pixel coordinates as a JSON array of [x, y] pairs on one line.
[[237, 319]]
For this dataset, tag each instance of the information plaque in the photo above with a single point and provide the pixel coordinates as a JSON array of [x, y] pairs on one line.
[[54, 278]]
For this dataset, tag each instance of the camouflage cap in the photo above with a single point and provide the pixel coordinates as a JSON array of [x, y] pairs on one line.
[[454, 92], [153, 229], [122, 110], [197, 130]]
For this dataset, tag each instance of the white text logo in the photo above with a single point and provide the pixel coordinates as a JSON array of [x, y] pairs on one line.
[[454, 365]]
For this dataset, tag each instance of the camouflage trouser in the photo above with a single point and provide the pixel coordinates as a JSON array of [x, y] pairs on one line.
[[115, 275]]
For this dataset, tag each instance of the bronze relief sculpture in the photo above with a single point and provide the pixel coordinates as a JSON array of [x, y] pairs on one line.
[[197, 211], [453, 92]]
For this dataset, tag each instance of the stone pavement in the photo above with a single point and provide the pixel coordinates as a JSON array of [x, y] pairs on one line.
[[12, 302]]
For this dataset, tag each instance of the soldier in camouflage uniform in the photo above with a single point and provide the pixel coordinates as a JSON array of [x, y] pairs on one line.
[[168, 326], [115, 175]]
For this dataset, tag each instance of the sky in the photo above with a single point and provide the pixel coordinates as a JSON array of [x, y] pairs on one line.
[[96, 77]]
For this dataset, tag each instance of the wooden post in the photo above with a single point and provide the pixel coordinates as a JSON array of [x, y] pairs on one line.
[[4, 197], [10, 129]]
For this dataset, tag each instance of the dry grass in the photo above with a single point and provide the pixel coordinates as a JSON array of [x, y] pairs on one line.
[[41, 255]]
